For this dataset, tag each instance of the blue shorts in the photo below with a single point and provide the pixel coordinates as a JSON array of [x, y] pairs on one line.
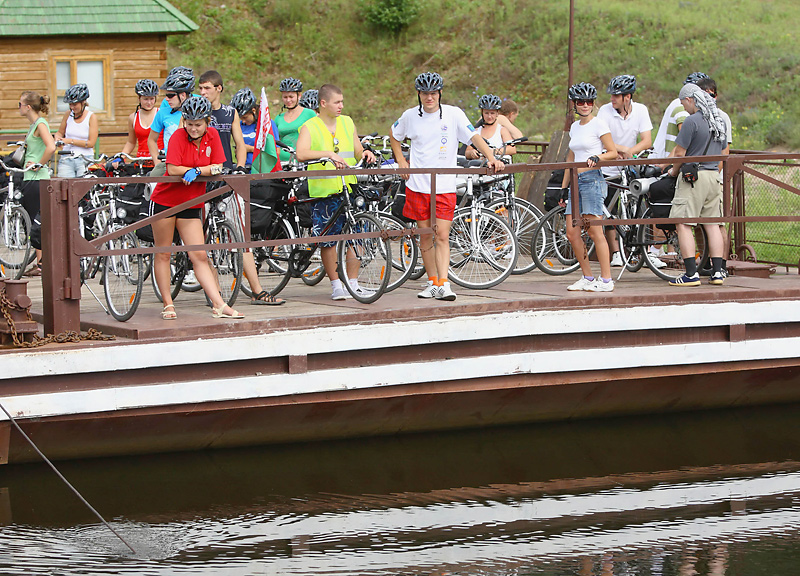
[[321, 212], [592, 191]]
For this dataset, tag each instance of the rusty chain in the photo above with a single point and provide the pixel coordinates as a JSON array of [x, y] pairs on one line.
[[6, 306]]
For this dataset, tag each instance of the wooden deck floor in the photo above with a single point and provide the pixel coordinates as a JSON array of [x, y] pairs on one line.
[[311, 306]]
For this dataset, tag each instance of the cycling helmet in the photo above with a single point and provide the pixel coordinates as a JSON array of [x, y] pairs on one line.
[[146, 88], [428, 82], [582, 91], [76, 93], [489, 102], [244, 101], [695, 77], [290, 85], [183, 69], [196, 108], [623, 84], [310, 99], [179, 81]]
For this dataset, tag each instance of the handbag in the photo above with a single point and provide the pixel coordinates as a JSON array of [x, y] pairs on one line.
[[18, 156]]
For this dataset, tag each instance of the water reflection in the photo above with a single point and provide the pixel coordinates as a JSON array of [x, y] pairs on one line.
[[703, 493]]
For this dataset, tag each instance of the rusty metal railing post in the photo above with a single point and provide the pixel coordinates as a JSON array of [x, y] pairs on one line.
[[61, 269]]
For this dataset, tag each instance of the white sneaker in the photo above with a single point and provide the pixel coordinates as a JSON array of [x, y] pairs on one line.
[[599, 286], [365, 292], [582, 284], [190, 278], [656, 261], [444, 292], [616, 260], [340, 294], [429, 291]]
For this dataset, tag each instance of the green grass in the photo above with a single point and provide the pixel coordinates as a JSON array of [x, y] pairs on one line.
[[516, 49]]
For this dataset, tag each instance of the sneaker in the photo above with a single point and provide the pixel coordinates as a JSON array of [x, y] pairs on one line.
[[686, 281], [444, 292], [582, 284], [365, 292], [599, 286], [616, 260], [717, 279], [656, 261], [429, 291], [340, 294], [190, 278]]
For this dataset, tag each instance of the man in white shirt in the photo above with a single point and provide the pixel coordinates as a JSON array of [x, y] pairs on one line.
[[631, 130], [435, 130]]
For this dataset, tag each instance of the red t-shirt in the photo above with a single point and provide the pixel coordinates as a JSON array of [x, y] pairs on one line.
[[182, 152]]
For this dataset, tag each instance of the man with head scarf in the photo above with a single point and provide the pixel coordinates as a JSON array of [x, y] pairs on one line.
[[703, 133]]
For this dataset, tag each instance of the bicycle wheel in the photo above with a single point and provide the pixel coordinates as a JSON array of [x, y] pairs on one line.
[[315, 271], [550, 247], [483, 250], [272, 262], [374, 259], [405, 251], [226, 261], [178, 265], [523, 223], [123, 276], [15, 243], [670, 264]]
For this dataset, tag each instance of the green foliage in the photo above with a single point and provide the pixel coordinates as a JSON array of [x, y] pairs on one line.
[[513, 48], [391, 15]]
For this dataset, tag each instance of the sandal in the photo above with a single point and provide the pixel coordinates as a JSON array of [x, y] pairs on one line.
[[169, 314], [220, 312], [264, 298], [34, 271]]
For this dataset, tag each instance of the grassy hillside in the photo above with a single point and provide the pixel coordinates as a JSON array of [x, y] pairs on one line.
[[516, 49]]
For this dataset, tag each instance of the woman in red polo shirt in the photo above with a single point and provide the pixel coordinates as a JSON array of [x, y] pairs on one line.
[[194, 150]]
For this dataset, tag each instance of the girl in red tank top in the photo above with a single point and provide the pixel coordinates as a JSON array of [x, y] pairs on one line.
[[139, 122]]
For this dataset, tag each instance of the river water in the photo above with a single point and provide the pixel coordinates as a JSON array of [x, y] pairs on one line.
[[707, 493]]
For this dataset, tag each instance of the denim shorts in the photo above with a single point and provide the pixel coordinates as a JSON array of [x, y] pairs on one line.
[[321, 212], [592, 191], [70, 167]]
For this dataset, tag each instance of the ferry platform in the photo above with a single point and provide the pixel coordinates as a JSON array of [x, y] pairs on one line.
[[527, 350]]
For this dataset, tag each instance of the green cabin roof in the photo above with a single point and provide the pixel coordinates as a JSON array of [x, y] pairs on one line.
[[49, 17]]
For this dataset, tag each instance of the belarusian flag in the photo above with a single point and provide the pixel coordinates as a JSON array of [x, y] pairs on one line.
[[265, 142]]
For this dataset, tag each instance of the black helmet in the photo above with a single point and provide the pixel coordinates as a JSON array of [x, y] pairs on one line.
[[428, 82], [695, 77], [196, 108], [582, 91], [183, 69], [77, 93], [146, 88], [489, 102], [179, 81], [310, 99], [244, 101], [623, 84], [290, 85]]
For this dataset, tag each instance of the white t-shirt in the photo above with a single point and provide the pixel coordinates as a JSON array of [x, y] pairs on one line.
[[728, 127], [624, 131], [584, 140], [434, 144]]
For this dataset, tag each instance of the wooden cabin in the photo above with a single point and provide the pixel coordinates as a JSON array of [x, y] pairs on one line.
[[49, 45]]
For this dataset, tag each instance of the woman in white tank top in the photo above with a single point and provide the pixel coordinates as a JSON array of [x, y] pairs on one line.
[[491, 130], [78, 131]]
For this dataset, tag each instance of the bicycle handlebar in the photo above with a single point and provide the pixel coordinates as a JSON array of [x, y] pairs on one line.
[[26, 169]]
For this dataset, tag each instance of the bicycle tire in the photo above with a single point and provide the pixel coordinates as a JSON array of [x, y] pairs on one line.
[[673, 265], [178, 265], [123, 277], [405, 251], [523, 223], [15, 243], [550, 247], [315, 272], [482, 253], [374, 257], [272, 262], [227, 262]]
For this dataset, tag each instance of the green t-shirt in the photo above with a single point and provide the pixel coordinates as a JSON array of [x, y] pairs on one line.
[[35, 151], [288, 131]]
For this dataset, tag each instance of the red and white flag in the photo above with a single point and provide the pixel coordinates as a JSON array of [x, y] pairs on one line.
[[265, 141]]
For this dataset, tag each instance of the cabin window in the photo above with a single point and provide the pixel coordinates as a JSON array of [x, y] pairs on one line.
[[92, 70]]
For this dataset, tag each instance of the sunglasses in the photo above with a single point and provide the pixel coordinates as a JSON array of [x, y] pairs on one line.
[[171, 95], [584, 102], [712, 94], [335, 145], [21, 105]]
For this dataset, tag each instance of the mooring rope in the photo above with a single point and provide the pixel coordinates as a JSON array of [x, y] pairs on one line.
[[71, 487]]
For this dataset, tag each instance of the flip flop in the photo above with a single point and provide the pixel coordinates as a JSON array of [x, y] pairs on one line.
[[264, 298]]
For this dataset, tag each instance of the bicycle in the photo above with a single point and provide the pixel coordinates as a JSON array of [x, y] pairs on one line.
[[16, 252]]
